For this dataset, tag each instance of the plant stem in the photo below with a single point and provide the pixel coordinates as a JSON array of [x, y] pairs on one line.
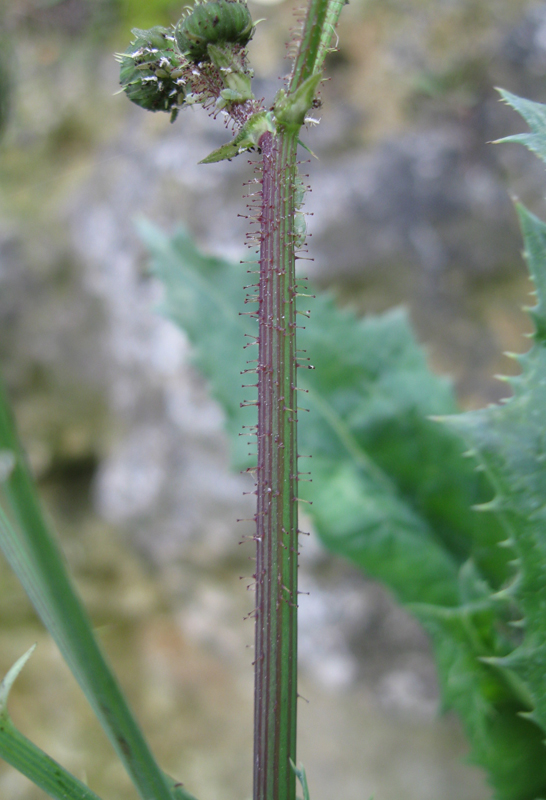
[[276, 567], [275, 689], [312, 40]]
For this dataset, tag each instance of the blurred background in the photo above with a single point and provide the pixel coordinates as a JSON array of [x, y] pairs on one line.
[[411, 204]]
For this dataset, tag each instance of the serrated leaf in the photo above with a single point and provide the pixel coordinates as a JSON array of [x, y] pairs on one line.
[[379, 497], [508, 746], [367, 429], [205, 298], [510, 440], [535, 116]]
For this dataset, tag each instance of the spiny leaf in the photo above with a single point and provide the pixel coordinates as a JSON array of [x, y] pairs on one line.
[[247, 138], [535, 116], [510, 440], [367, 429], [508, 746], [378, 495]]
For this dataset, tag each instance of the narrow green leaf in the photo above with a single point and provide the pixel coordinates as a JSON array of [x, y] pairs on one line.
[[302, 777], [40, 768], [247, 139], [177, 790], [28, 759], [10, 678], [33, 554]]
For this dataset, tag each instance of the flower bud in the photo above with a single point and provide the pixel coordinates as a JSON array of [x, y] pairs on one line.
[[151, 73], [215, 22]]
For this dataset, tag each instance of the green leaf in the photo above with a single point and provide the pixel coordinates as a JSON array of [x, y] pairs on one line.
[[508, 746], [28, 759], [302, 777], [510, 442], [367, 428], [247, 139], [177, 790], [33, 554], [535, 116], [10, 678], [378, 495], [372, 388]]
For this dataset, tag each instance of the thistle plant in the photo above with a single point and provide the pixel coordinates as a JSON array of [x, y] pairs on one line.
[[475, 581], [203, 60], [470, 568]]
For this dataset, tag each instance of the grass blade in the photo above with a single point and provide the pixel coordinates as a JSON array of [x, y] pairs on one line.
[[28, 759], [34, 556]]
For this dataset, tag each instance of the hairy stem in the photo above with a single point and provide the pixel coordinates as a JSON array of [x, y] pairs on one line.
[[313, 34], [329, 31], [275, 691], [276, 567]]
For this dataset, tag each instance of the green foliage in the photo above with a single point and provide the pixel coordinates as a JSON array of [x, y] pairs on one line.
[[18, 751], [302, 778], [369, 396], [247, 138], [392, 493], [391, 490], [510, 443], [32, 551], [535, 116], [202, 60]]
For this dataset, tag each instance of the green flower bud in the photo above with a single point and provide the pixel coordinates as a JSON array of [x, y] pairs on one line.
[[151, 71], [214, 22]]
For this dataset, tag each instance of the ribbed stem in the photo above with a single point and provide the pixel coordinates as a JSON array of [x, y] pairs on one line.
[[276, 568], [312, 36]]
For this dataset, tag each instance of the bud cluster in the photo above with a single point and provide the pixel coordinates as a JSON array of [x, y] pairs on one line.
[[201, 59]]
